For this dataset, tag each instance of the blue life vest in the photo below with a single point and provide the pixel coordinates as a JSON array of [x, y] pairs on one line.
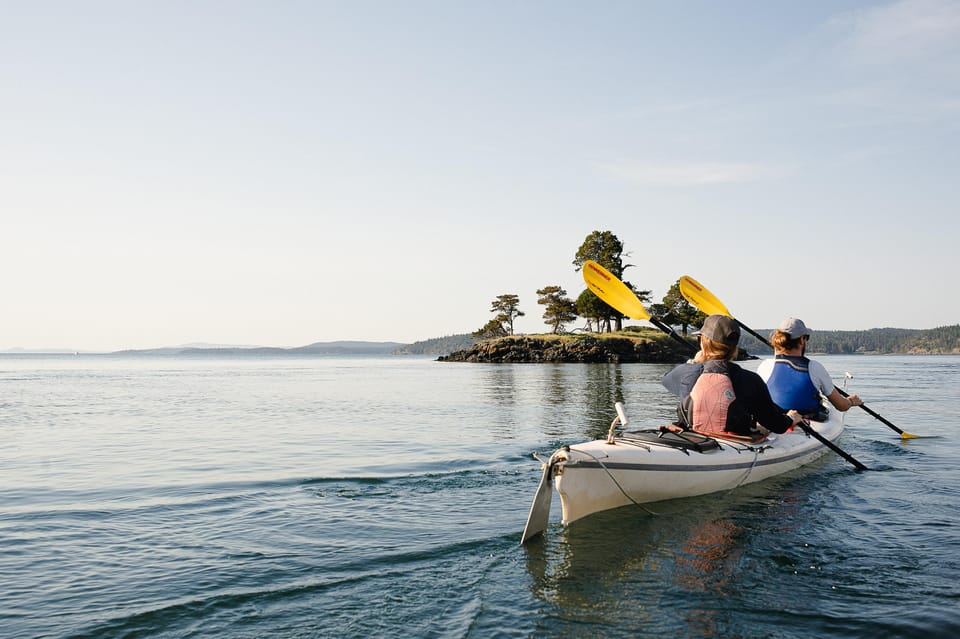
[[790, 384]]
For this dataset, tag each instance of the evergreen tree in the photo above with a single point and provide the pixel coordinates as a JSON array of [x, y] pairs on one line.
[[595, 309], [493, 328], [675, 310], [560, 309], [606, 249]]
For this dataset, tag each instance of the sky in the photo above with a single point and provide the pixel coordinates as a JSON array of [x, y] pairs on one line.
[[286, 172]]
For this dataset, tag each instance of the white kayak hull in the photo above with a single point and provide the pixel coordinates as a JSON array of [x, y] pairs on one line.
[[599, 475]]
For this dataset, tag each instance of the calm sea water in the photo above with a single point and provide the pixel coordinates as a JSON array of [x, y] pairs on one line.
[[385, 497]]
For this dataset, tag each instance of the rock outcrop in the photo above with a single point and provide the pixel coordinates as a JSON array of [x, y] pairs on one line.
[[571, 348]]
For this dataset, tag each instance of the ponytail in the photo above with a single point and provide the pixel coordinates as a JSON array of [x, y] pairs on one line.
[[782, 341], [717, 350]]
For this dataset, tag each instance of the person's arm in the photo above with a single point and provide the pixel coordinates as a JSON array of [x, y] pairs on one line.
[[681, 379], [841, 403], [822, 380]]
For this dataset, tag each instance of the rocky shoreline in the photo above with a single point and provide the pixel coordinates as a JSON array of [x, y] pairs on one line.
[[589, 348]]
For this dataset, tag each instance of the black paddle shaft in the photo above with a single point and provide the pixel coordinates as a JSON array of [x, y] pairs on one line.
[[669, 331], [829, 444], [753, 332], [875, 415]]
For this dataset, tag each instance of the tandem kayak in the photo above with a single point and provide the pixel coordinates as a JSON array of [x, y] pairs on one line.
[[637, 467]]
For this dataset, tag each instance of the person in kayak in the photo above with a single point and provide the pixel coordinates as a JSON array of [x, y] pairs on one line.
[[718, 396], [794, 380]]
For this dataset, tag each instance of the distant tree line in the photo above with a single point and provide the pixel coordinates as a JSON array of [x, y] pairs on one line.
[[438, 345], [942, 340]]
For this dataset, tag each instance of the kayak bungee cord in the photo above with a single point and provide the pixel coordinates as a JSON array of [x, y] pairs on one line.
[[614, 480], [756, 456]]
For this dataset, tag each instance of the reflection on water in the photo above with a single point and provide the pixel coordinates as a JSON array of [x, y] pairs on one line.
[[603, 388], [576, 400], [500, 383], [705, 564], [706, 559], [677, 568], [557, 391]]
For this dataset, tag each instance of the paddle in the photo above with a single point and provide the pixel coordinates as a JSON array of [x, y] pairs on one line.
[[698, 295], [829, 444], [615, 293], [618, 295]]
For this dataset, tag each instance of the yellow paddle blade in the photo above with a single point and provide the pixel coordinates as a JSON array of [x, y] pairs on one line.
[[607, 287], [697, 294]]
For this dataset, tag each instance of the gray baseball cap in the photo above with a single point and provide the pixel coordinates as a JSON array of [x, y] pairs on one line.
[[794, 328]]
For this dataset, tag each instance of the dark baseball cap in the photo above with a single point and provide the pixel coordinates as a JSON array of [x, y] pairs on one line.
[[720, 328]]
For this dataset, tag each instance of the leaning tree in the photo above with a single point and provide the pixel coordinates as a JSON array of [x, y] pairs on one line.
[[560, 309], [506, 307]]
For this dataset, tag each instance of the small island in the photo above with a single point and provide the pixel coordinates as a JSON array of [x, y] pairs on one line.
[[634, 345]]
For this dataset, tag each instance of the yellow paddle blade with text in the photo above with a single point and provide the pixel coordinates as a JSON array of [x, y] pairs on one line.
[[607, 287], [698, 295]]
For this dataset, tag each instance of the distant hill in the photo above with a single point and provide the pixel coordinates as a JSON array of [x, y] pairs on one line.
[[944, 340], [17, 350], [317, 348], [438, 345], [348, 348]]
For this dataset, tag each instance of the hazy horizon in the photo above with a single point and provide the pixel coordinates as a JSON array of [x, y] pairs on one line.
[[189, 345], [55, 350]]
